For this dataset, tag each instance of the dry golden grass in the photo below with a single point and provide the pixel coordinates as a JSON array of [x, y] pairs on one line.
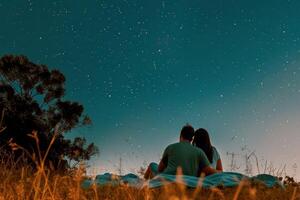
[[26, 184], [22, 182]]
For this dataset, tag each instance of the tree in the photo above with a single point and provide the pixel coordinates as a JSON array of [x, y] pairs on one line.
[[31, 98]]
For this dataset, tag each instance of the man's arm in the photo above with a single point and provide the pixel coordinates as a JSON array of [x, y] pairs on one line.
[[204, 167], [162, 166], [208, 171], [163, 162]]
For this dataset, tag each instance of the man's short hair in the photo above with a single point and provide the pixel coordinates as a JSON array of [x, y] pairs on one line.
[[187, 132]]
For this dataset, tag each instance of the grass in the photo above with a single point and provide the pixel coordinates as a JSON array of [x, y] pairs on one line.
[[22, 182], [25, 183]]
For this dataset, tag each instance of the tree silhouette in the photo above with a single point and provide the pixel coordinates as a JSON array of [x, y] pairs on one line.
[[31, 98]]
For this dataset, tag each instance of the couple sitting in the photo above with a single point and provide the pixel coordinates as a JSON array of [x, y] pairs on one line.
[[193, 155]]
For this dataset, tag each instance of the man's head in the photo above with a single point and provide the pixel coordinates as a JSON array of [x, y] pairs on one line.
[[187, 133]]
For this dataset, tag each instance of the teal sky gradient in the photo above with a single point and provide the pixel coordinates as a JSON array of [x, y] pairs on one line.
[[142, 69]]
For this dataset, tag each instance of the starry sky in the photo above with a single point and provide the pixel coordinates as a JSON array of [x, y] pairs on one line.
[[142, 69]]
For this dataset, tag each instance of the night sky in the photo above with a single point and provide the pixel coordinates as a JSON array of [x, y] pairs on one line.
[[142, 69]]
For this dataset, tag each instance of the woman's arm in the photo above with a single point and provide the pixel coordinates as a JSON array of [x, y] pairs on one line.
[[219, 166]]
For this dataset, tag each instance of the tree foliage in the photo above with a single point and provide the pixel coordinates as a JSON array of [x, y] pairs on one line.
[[31, 98]]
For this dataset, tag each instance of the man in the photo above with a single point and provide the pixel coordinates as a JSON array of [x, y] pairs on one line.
[[182, 155]]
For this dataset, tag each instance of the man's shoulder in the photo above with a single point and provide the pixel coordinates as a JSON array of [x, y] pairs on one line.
[[177, 145], [173, 145]]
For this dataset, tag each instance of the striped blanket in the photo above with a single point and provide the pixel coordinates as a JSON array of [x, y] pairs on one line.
[[225, 179]]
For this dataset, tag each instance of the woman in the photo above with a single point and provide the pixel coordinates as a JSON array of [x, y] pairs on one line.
[[202, 141]]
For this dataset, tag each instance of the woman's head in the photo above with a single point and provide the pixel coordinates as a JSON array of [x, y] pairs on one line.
[[202, 140]]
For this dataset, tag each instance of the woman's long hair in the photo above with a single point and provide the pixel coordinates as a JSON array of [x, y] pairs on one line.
[[202, 141]]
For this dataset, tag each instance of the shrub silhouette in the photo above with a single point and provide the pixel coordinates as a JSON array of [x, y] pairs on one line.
[[31, 100]]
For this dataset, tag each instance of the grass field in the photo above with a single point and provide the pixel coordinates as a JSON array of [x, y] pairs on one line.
[[26, 184], [23, 182]]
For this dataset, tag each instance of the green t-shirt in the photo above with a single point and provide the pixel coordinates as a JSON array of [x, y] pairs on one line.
[[182, 154]]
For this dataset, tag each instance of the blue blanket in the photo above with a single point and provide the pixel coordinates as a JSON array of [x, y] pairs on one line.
[[226, 179]]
